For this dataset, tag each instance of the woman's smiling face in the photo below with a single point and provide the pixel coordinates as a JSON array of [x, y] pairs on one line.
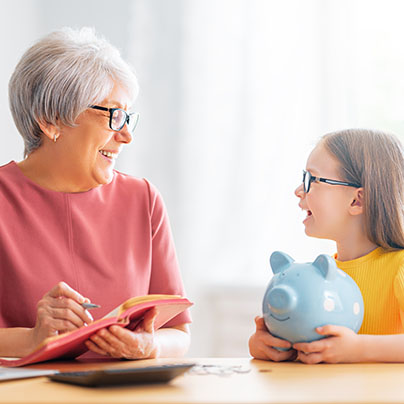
[[91, 147]]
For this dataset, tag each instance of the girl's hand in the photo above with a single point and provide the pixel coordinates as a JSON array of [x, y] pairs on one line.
[[119, 342], [59, 311], [342, 345], [262, 344]]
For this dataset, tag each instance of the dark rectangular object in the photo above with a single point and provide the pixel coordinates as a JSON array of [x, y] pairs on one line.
[[114, 377]]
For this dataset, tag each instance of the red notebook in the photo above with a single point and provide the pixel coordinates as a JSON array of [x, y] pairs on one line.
[[129, 314]]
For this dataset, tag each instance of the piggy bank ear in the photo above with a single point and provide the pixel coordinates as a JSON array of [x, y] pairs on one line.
[[327, 266], [279, 261]]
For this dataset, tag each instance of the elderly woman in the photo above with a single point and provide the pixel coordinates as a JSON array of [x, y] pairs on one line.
[[72, 228]]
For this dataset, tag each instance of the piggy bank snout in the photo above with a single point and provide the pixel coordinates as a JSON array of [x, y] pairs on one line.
[[282, 299]]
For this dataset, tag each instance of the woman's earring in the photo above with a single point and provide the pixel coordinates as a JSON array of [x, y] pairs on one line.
[[55, 138]]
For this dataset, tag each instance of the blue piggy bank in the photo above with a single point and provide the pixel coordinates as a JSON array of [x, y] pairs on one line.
[[301, 297]]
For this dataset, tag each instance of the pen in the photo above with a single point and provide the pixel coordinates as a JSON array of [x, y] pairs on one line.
[[90, 306]]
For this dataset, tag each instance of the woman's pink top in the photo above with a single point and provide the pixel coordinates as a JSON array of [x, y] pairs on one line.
[[110, 243]]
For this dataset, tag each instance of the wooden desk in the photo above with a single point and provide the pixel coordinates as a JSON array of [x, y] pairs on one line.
[[267, 382]]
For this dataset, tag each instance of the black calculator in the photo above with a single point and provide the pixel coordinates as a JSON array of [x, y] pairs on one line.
[[122, 376]]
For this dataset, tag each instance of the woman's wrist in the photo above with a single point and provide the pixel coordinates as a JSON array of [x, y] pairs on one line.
[[155, 352], [170, 342], [31, 341]]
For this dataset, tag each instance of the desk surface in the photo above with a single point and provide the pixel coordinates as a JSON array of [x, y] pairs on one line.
[[266, 382]]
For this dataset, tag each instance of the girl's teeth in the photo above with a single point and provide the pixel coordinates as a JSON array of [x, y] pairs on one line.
[[108, 154]]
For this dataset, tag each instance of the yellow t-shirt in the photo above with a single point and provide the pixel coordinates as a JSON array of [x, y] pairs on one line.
[[380, 277]]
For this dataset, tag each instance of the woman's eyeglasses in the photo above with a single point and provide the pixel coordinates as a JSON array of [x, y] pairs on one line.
[[308, 179], [118, 117]]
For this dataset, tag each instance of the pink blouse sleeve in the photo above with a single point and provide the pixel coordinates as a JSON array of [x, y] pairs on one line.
[[165, 273]]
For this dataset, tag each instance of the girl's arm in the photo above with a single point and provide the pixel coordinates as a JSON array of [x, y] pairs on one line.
[[344, 345]]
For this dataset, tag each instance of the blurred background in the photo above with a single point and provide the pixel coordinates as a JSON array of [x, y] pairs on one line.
[[233, 96]]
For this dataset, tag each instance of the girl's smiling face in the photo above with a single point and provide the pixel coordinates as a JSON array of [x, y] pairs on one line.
[[327, 206]]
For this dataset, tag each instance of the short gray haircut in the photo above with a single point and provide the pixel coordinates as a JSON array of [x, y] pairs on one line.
[[60, 76]]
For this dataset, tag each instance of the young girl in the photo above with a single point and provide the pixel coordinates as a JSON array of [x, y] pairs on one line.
[[353, 193]]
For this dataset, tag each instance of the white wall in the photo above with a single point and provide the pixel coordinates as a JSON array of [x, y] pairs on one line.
[[233, 94], [18, 28]]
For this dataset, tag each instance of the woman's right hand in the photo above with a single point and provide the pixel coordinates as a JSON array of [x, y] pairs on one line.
[[262, 344], [59, 311]]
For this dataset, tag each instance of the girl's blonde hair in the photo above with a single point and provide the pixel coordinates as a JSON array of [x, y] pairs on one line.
[[374, 160]]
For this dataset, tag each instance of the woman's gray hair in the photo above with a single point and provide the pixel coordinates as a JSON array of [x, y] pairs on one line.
[[60, 76]]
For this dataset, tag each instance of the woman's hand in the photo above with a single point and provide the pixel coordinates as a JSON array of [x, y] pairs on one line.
[[119, 342], [59, 311], [263, 344], [342, 345]]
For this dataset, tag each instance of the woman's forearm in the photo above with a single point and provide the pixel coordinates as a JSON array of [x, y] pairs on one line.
[[16, 342], [172, 342]]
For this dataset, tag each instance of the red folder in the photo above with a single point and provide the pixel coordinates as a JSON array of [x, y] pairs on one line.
[[129, 314]]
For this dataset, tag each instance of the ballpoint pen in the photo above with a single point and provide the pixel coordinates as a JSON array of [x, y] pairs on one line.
[[90, 306]]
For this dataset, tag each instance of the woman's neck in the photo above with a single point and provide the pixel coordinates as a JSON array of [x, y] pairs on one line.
[[50, 173]]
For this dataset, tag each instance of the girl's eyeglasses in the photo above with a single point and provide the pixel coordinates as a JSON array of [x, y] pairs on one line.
[[118, 117], [308, 179]]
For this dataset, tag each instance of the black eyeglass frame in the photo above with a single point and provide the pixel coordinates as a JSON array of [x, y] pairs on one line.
[[111, 112], [312, 178]]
